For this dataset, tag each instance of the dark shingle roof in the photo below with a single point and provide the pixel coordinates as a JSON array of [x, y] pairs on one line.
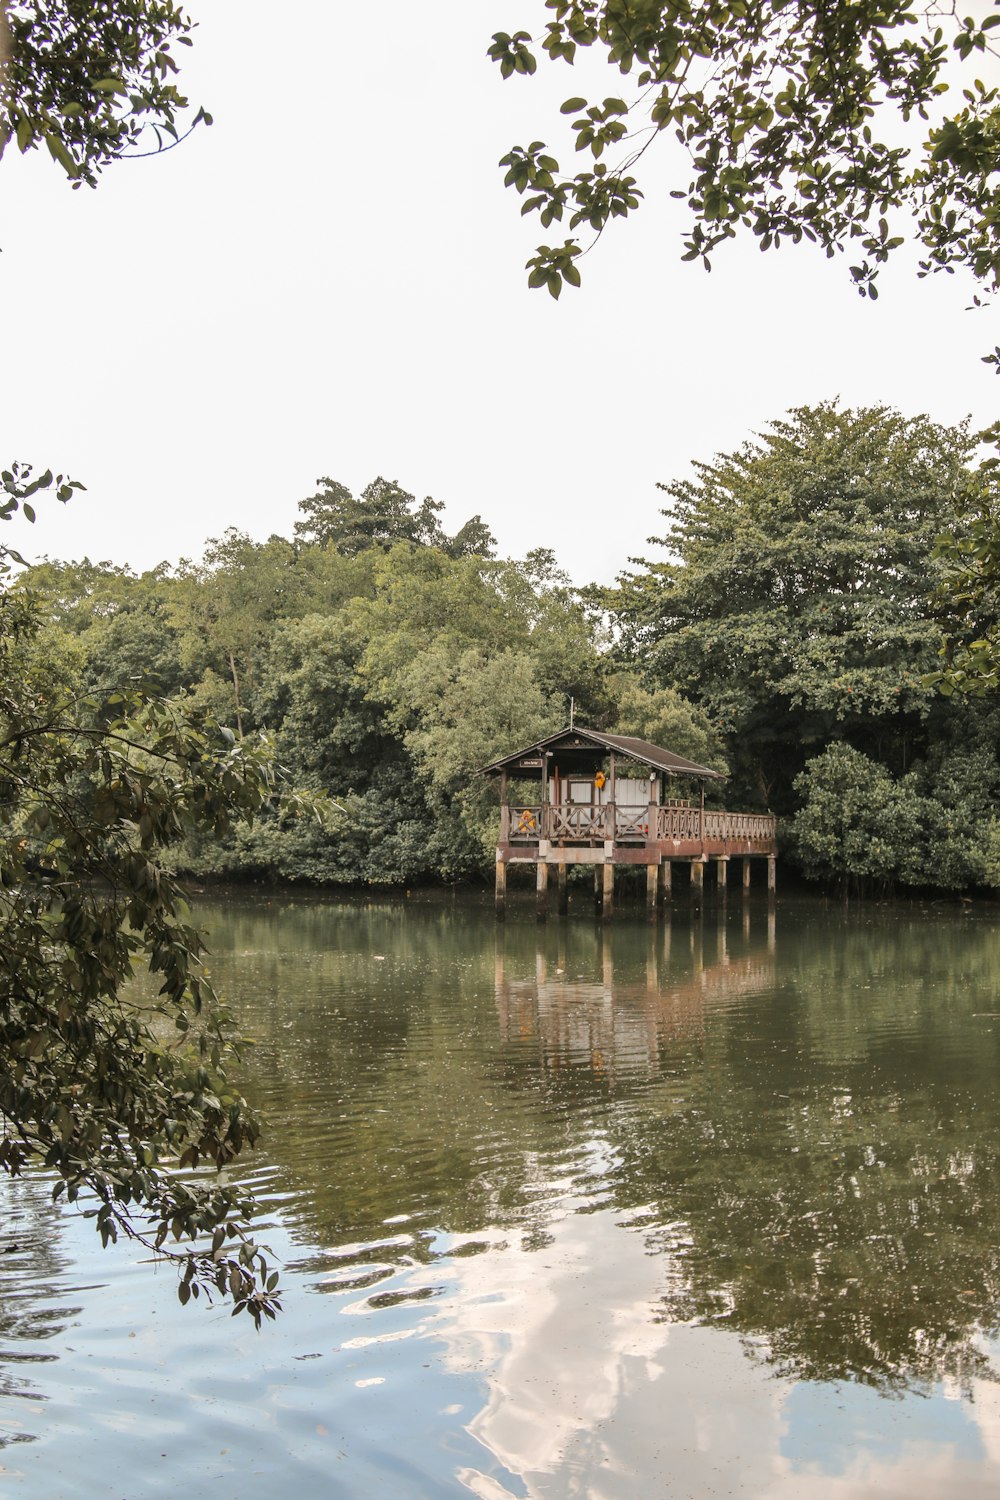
[[654, 755], [635, 749]]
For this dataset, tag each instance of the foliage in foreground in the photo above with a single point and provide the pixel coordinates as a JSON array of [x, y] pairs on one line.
[[787, 121], [86, 81], [123, 1097]]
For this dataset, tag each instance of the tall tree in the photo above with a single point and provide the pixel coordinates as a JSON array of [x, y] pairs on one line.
[[382, 515], [795, 605]]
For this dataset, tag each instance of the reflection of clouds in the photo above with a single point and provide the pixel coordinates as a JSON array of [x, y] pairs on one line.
[[984, 1409], [587, 1394], [588, 1398], [555, 1328]]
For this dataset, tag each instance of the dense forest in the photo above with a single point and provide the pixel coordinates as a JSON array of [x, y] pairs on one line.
[[790, 632]]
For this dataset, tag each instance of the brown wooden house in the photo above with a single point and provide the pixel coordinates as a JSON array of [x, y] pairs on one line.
[[607, 800]]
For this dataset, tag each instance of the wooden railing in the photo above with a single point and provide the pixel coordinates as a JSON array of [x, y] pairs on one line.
[[576, 821], [678, 823], [739, 827], [632, 822], [524, 824], [580, 822]]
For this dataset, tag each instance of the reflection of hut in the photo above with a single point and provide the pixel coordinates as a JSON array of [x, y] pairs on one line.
[[618, 1025], [601, 802]]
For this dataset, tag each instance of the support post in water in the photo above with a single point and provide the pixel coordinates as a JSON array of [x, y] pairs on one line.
[[697, 879], [501, 889], [541, 890], [663, 882], [563, 889], [652, 880], [746, 873], [721, 871], [608, 891], [772, 874]]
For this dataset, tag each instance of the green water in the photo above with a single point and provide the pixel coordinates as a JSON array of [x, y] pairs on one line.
[[704, 1209]]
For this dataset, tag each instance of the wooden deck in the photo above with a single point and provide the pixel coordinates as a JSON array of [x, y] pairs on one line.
[[606, 836], [572, 833]]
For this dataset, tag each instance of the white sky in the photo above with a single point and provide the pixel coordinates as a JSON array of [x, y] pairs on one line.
[[330, 281]]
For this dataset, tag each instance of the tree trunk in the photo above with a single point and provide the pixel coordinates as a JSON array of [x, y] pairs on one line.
[[236, 694]]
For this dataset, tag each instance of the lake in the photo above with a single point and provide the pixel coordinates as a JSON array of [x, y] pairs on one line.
[[703, 1208]]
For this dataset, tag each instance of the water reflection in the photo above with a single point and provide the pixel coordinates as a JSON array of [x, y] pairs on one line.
[[806, 1129], [607, 1209], [611, 1023]]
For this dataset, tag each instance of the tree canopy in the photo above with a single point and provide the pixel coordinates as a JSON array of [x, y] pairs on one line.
[[790, 636], [796, 608], [386, 660], [382, 515]]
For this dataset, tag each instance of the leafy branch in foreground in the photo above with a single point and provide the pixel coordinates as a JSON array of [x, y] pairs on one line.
[[124, 1098], [87, 80], [795, 120]]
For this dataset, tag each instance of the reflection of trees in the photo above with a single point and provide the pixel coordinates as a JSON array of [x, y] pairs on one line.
[[807, 1128], [835, 1163]]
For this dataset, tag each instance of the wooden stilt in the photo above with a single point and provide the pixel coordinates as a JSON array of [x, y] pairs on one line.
[[746, 873], [772, 874], [597, 888], [563, 889], [663, 882], [721, 872], [697, 879], [652, 874], [501, 889], [541, 890], [608, 891]]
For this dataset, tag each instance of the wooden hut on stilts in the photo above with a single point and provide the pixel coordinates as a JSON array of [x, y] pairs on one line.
[[602, 801]]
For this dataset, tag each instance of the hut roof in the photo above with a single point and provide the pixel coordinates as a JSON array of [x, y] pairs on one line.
[[590, 745]]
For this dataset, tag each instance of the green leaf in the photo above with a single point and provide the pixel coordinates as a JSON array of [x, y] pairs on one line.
[[59, 153]]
